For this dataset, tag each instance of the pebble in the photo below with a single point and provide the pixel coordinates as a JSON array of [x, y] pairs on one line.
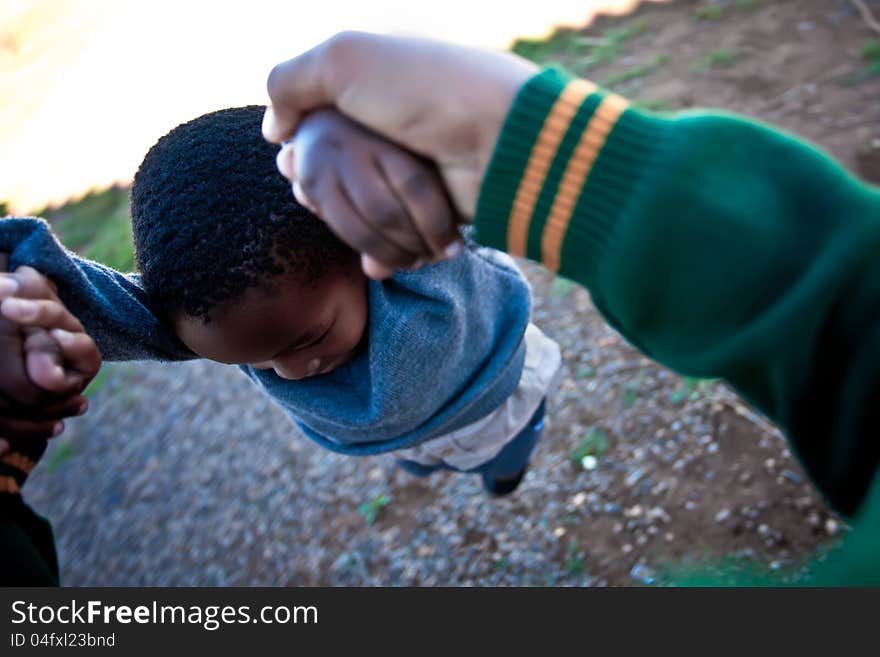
[[633, 477], [792, 476], [643, 574], [634, 511], [657, 513]]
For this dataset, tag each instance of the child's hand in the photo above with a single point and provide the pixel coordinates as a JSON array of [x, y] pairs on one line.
[[371, 190], [46, 359]]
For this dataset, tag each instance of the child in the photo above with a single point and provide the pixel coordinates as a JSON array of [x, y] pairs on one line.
[[439, 366]]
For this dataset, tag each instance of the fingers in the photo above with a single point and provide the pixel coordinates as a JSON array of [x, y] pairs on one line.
[[73, 406], [35, 302], [47, 411], [80, 352], [427, 205], [294, 87], [34, 285], [302, 199], [45, 313], [14, 382], [380, 206], [344, 219], [60, 361], [285, 161], [375, 269], [14, 430], [44, 363]]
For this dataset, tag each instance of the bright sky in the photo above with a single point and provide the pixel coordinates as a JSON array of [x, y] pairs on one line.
[[87, 86]]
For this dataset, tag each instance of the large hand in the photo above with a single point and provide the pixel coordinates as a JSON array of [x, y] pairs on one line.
[[442, 101]]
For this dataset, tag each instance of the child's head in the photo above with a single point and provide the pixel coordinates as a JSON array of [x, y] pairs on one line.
[[244, 273]]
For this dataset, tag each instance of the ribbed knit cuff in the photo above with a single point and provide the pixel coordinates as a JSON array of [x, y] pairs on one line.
[[568, 160], [16, 465]]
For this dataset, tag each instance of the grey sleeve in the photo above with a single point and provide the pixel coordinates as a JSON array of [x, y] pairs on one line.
[[112, 306]]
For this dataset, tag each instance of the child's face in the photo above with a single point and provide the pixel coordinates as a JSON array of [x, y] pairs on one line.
[[300, 331]]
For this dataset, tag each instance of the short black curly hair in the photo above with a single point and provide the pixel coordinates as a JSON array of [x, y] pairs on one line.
[[212, 217]]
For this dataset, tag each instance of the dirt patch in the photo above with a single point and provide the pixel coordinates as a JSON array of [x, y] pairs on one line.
[[798, 64]]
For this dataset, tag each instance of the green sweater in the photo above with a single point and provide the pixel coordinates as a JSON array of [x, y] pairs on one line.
[[718, 246]]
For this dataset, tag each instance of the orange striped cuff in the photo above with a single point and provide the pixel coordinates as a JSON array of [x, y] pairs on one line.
[[19, 461], [9, 485], [552, 138], [555, 126], [575, 176]]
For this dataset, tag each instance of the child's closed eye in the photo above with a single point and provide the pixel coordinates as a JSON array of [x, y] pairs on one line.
[[321, 336]]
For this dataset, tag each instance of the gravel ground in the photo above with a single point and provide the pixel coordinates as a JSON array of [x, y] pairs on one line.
[[184, 474]]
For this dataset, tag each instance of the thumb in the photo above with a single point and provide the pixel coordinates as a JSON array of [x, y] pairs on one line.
[[295, 87]]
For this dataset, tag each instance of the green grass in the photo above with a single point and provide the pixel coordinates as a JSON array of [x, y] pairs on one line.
[[575, 564], [544, 51], [561, 287], [61, 453], [97, 226], [573, 47], [370, 510], [715, 59], [871, 52], [653, 105], [631, 392], [584, 372], [729, 570], [97, 384], [871, 55], [594, 443], [746, 6], [708, 12], [691, 389], [635, 72]]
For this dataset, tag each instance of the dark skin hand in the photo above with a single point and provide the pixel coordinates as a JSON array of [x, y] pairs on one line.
[[377, 190], [46, 358]]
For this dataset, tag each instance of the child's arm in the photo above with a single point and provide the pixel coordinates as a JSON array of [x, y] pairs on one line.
[[375, 187], [112, 306]]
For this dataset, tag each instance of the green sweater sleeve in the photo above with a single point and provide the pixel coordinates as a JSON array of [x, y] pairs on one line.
[[718, 246]]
